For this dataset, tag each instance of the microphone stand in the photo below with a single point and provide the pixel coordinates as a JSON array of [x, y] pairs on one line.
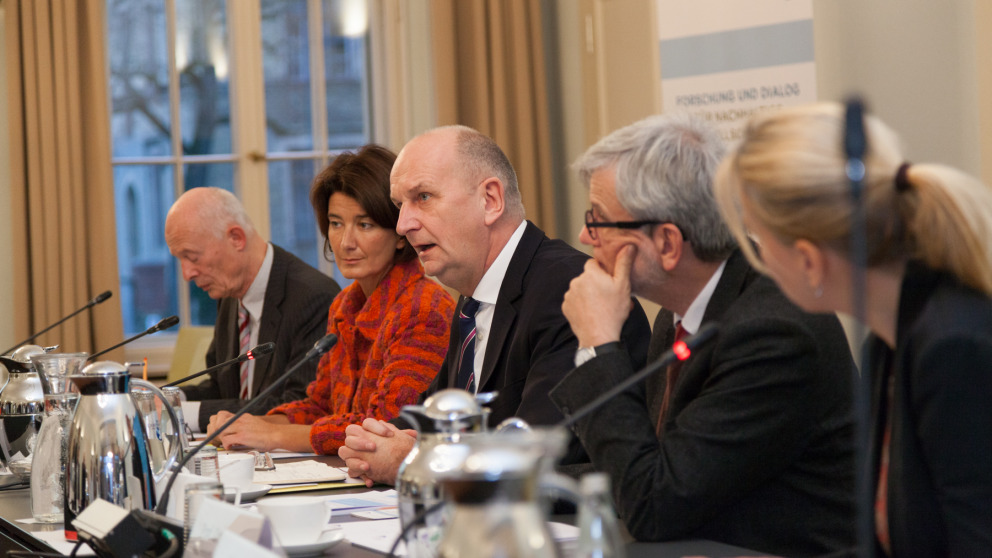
[[263, 349], [320, 347], [96, 300], [681, 350], [165, 323], [855, 146]]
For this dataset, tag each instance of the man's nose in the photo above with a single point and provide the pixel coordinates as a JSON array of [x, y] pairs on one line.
[[189, 271], [585, 237], [406, 221]]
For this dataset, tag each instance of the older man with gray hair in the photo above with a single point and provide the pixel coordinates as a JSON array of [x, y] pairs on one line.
[[749, 441], [264, 294]]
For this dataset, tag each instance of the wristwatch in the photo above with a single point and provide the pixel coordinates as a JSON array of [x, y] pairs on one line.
[[585, 354]]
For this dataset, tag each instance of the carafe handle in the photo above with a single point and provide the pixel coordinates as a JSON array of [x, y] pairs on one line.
[[175, 446], [556, 486]]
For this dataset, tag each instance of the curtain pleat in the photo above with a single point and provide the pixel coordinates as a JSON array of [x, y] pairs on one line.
[[491, 76], [61, 177]]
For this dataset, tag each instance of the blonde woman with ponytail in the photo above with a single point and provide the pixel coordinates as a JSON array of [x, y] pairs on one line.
[[928, 281]]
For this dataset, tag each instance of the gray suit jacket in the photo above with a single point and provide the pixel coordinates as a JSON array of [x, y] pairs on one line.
[[758, 446], [294, 316]]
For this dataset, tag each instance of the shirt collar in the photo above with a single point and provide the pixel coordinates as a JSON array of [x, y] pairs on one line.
[[255, 296], [694, 315], [487, 290]]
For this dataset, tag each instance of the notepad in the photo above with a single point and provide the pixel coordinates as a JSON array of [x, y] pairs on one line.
[[299, 472]]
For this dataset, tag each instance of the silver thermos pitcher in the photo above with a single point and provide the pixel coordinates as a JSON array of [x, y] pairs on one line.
[[109, 455]]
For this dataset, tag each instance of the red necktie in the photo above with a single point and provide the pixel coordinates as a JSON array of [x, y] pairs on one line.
[[244, 337], [672, 376]]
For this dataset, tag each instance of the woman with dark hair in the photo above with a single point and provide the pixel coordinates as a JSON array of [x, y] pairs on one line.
[[928, 293], [392, 322]]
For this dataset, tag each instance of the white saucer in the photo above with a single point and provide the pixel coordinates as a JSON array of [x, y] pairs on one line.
[[327, 539], [250, 492]]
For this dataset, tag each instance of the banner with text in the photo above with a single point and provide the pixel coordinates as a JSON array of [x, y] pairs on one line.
[[727, 59]]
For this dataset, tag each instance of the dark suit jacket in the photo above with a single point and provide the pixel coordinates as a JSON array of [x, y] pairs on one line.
[[758, 449], [940, 454], [294, 317], [531, 346]]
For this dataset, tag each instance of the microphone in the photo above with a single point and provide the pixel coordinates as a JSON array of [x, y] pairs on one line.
[[263, 349], [855, 147], [164, 323], [323, 345], [96, 300], [681, 350]]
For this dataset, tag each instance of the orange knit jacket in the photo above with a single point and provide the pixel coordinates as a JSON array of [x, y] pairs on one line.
[[390, 347]]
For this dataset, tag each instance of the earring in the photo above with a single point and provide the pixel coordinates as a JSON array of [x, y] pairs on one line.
[[818, 291]]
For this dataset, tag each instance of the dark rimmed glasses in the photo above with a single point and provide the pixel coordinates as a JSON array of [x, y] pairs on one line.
[[592, 224]]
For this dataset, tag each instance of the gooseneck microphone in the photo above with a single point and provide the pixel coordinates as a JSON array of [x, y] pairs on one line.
[[96, 300], [323, 345], [260, 350], [164, 323], [855, 146], [681, 350]]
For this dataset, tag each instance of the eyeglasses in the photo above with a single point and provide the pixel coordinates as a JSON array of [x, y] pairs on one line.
[[592, 224]]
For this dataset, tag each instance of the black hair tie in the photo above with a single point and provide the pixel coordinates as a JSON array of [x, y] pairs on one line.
[[902, 181]]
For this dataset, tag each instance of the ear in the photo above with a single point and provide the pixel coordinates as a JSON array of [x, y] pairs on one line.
[[668, 244], [400, 243], [237, 237], [812, 261], [495, 199]]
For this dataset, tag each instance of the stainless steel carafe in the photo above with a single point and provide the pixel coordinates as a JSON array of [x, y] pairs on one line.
[[445, 420], [496, 509], [109, 456], [22, 408]]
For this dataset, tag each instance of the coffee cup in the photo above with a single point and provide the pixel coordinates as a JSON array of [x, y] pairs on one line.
[[296, 520], [236, 469]]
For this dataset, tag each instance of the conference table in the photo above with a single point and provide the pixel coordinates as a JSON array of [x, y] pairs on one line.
[[16, 504]]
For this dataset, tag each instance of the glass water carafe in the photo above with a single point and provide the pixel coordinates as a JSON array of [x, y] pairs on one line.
[[49, 458]]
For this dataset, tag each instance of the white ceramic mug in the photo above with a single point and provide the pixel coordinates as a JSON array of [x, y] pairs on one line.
[[296, 520], [236, 469]]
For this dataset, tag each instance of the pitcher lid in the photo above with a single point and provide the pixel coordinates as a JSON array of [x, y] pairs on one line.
[[451, 404], [104, 368]]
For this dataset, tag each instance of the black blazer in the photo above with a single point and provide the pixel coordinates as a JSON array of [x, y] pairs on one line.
[[940, 454], [294, 316], [531, 346], [758, 446]]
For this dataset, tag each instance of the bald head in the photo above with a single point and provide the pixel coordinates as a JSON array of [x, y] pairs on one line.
[[217, 246], [459, 203]]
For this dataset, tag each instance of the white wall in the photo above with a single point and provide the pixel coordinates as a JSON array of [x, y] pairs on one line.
[[914, 61]]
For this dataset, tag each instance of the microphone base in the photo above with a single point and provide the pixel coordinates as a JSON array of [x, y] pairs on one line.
[[113, 532]]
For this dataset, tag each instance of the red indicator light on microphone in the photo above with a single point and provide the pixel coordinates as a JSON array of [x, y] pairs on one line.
[[250, 355], [681, 350]]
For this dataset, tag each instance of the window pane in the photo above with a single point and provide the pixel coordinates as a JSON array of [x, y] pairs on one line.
[[139, 78], [203, 309], [345, 39], [143, 195], [286, 66], [290, 213], [202, 61]]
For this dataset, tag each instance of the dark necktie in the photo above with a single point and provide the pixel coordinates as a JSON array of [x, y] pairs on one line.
[[244, 338], [466, 355], [672, 376]]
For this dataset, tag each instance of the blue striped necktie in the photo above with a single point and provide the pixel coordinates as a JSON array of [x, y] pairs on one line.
[[466, 356]]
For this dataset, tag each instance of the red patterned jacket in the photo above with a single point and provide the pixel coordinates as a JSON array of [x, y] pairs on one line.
[[389, 349]]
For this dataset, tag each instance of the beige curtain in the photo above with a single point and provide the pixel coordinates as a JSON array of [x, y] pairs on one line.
[[61, 179], [491, 76]]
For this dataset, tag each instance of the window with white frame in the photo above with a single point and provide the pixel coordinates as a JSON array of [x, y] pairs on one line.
[[254, 96]]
